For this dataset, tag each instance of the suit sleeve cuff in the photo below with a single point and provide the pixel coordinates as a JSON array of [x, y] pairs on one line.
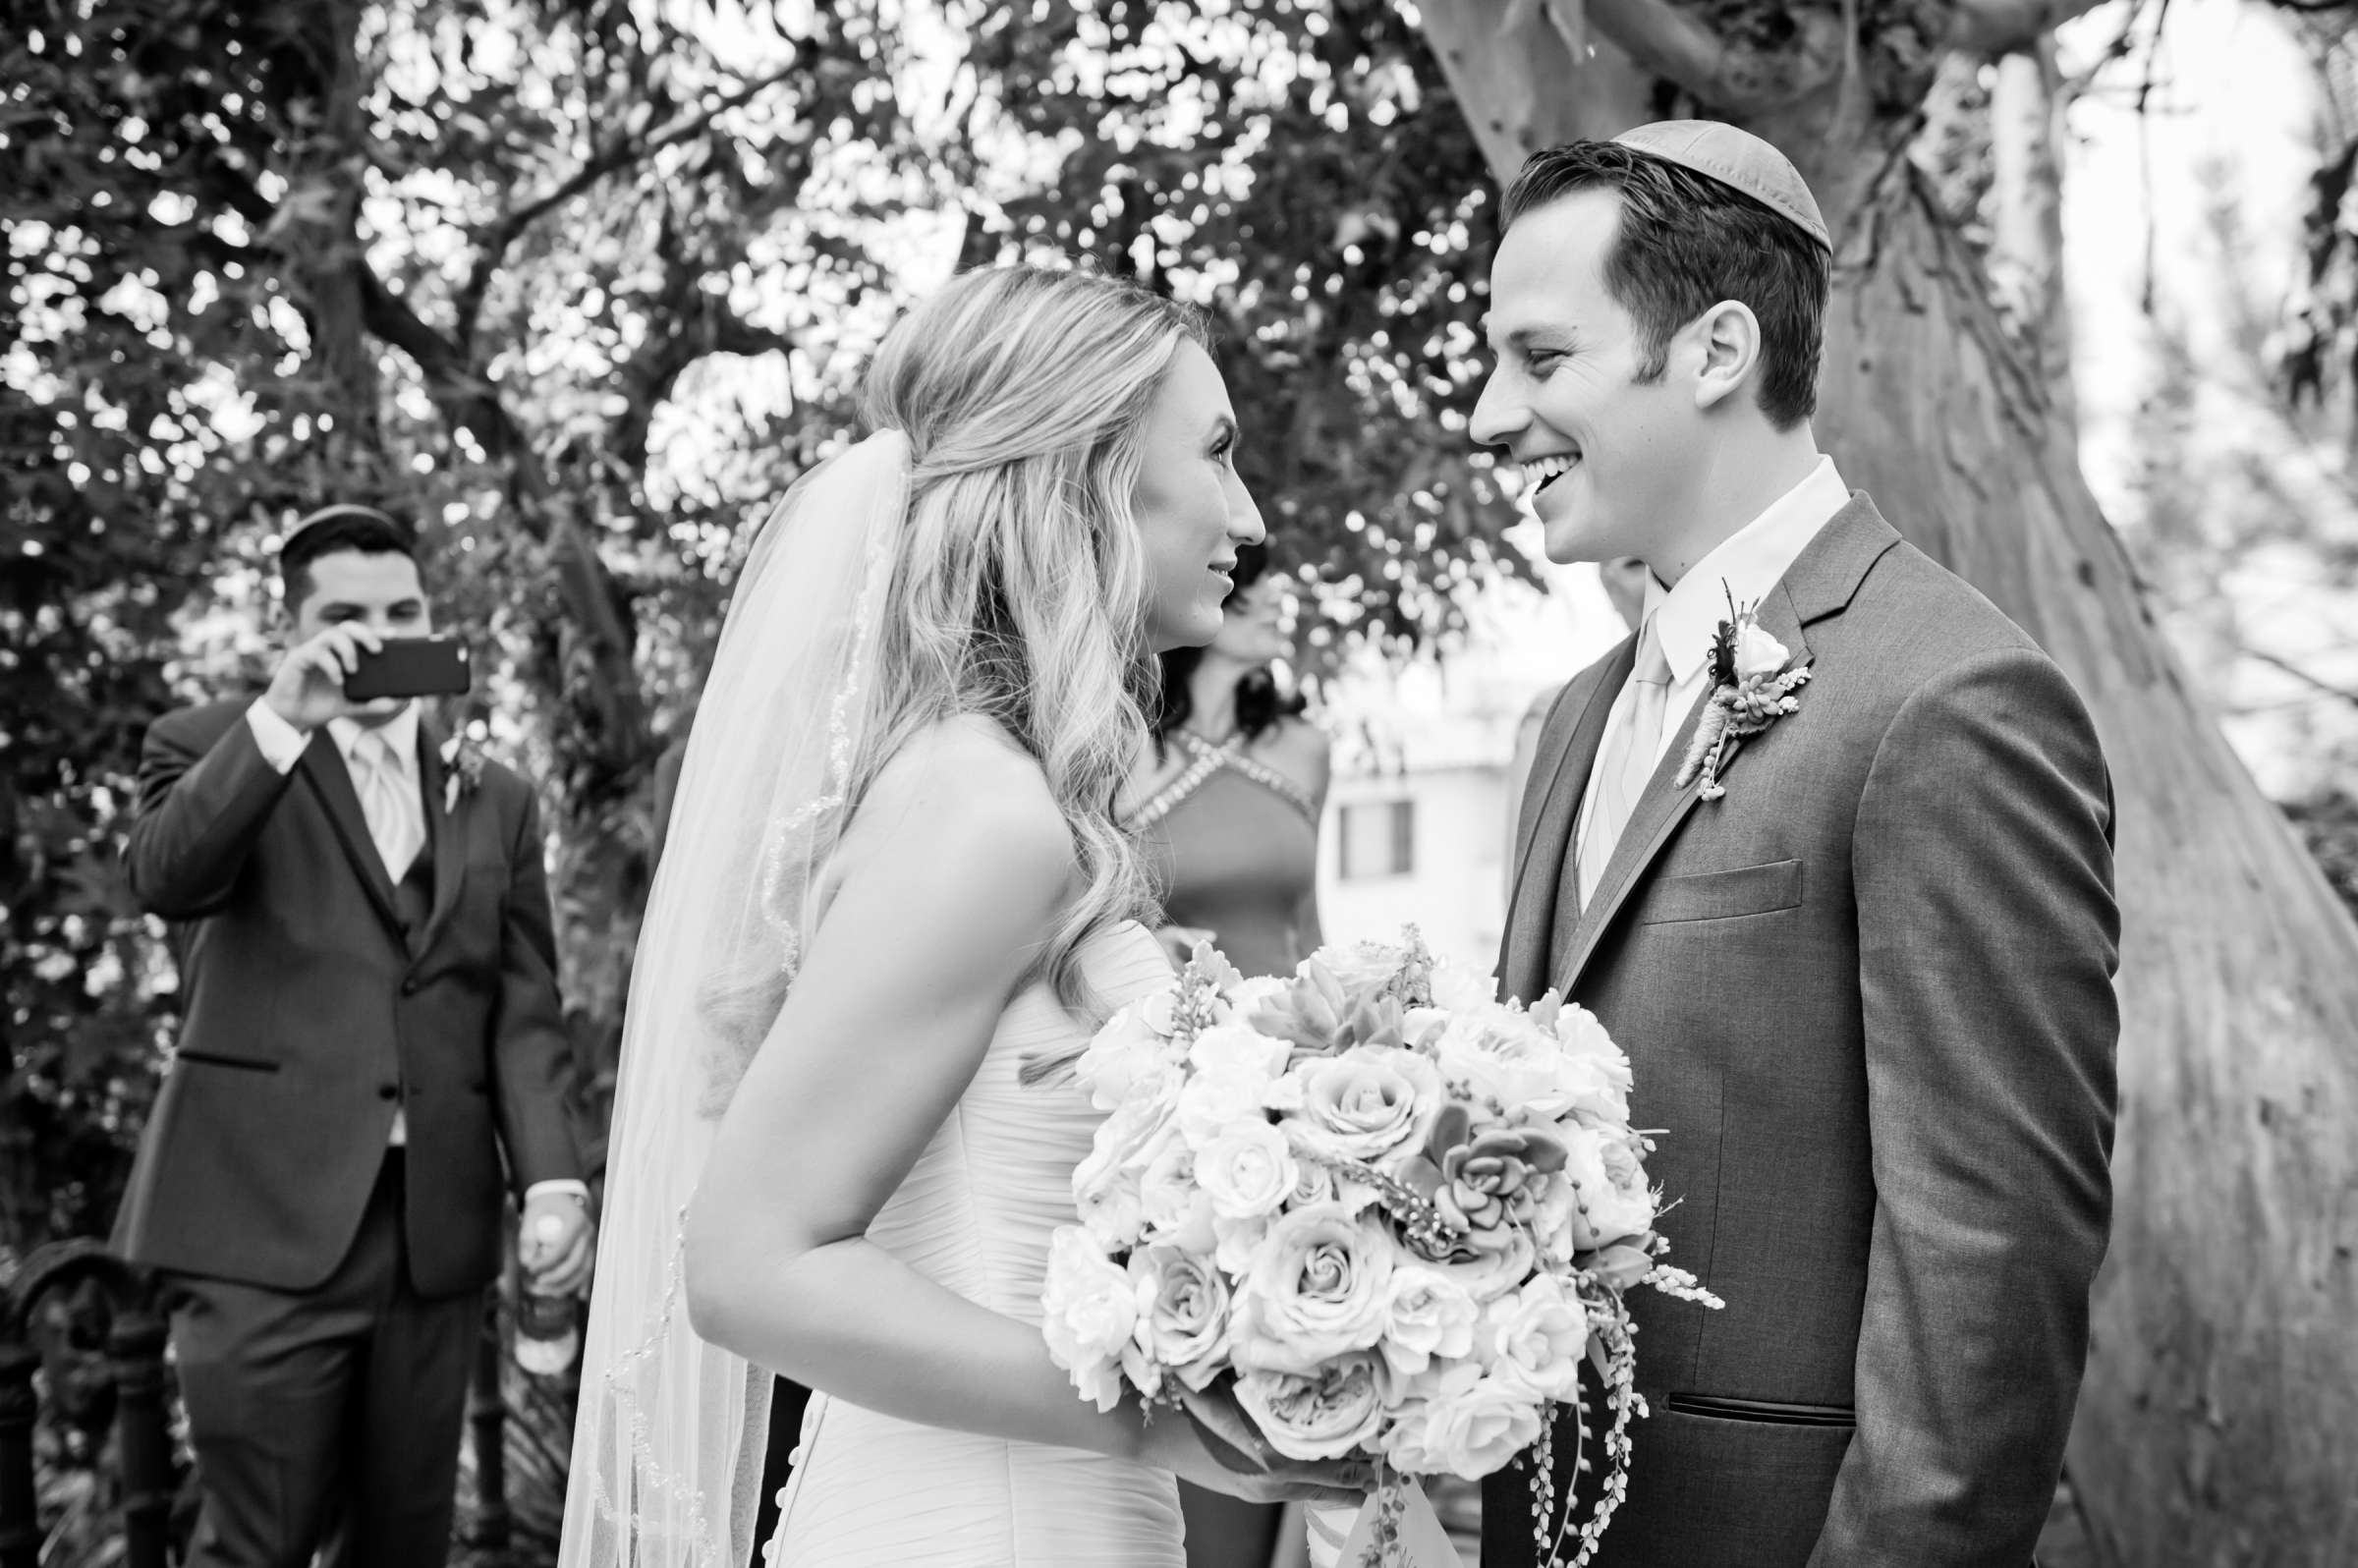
[[562, 1186], [280, 743]]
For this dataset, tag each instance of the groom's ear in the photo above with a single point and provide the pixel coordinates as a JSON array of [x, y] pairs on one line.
[[1727, 340]]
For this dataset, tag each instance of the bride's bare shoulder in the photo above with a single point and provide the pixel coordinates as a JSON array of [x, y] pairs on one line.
[[963, 787]]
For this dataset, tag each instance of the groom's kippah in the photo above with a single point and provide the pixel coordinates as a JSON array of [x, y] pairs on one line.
[[1737, 159]]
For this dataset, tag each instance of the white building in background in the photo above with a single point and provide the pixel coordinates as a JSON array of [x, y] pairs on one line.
[[1421, 840], [1418, 817]]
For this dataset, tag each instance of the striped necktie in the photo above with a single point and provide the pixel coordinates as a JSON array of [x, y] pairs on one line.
[[389, 801]]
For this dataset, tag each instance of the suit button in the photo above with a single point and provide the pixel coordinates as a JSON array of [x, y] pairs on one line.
[[387, 1090], [410, 986]]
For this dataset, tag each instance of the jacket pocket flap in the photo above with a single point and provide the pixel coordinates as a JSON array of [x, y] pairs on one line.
[[1765, 1412], [1720, 895], [206, 1058]]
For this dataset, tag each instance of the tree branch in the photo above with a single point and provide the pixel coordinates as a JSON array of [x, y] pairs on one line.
[[1991, 27], [595, 610], [491, 249], [1667, 42], [2316, 684], [464, 398], [1678, 48]]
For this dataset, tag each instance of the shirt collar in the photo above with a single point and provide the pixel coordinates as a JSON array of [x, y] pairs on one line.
[[400, 731], [1746, 565]]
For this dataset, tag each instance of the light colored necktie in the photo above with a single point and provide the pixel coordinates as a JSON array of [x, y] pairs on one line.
[[389, 801], [1628, 761]]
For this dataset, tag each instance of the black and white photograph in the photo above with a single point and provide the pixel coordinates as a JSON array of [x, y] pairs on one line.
[[1178, 784]]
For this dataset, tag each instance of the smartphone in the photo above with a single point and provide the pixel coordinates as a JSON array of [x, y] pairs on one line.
[[411, 666]]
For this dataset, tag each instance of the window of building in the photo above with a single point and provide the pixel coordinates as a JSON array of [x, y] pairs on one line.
[[1379, 838]]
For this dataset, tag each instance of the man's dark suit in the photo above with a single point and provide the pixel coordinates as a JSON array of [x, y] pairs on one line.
[[328, 1295], [1867, 995]]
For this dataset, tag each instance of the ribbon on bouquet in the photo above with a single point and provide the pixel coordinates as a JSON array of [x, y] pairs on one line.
[[1395, 1528]]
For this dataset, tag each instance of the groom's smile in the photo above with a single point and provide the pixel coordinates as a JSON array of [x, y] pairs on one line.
[[1540, 473]]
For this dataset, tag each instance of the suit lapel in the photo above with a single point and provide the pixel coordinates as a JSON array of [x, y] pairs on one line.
[[1820, 584], [323, 766], [449, 843], [1577, 730]]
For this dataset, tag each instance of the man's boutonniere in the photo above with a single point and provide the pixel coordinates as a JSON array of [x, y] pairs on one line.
[[1752, 681], [462, 771]]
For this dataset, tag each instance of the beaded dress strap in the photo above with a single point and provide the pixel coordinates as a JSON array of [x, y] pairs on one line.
[[1206, 759]]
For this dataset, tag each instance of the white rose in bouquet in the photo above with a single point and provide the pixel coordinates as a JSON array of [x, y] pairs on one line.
[[1458, 991], [1324, 1414], [1537, 1336], [1233, 1070], [1319, 1287], [1176, 1207], [1466, 1423], [1366, 1104], [1596, 1071], [1247, 1170], [1238, 1051], [1182, 1325], [1088, 1310], [1134, 1048], [1360, 967], [1107, 1185], [1427, 1315], [1614, 1202], [1508, 1061]]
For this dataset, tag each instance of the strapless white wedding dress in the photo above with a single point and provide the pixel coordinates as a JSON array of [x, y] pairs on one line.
[[975, 1214]]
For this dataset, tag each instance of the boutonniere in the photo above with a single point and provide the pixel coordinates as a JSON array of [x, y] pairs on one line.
[[1753, 677], [462, 771]]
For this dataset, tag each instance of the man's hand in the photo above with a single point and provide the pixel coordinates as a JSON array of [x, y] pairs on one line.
[[556, 1256], [306, 690]]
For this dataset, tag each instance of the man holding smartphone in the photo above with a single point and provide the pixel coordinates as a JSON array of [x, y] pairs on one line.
[[372, 1052]]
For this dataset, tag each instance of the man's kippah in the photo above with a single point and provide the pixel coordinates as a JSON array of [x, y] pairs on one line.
[[330, 513], [1735, 158]]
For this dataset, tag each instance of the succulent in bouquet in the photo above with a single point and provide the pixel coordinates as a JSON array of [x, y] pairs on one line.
[[1388, 1212]]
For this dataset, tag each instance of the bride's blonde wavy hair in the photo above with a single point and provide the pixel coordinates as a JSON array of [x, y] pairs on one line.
[[1019, 591]]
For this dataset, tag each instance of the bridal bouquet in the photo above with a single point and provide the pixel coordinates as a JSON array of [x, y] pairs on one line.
[[1392, 1212]]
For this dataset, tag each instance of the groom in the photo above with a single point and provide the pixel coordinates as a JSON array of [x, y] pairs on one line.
[[1867, 989]]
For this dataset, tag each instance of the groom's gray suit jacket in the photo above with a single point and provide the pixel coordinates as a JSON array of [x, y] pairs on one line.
[[1867, 997]]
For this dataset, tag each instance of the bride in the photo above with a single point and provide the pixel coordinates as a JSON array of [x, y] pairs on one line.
[[892, 905]]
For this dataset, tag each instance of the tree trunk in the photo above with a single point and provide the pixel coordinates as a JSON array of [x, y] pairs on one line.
[[318, 224], [2026, 217], [2219, 1423]]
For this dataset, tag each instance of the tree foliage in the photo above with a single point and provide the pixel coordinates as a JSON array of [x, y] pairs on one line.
[[1301, 170]]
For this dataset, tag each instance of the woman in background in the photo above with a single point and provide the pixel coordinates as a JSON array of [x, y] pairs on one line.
[[1227, 805], [1228, 801]]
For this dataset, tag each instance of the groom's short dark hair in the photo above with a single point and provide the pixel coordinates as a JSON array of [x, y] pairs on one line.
[[330, 531], [1687, 242]]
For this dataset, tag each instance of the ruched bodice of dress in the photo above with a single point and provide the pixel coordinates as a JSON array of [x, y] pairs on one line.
[[974, 1214]]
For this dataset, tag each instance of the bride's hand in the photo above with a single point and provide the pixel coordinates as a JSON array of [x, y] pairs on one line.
[[1214, 1446]]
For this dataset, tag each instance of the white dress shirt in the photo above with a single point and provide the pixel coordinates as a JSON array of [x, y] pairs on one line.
[[282, 746], [1747, 564]]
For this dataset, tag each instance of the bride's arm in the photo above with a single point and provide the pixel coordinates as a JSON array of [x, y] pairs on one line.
[[960, 867]]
